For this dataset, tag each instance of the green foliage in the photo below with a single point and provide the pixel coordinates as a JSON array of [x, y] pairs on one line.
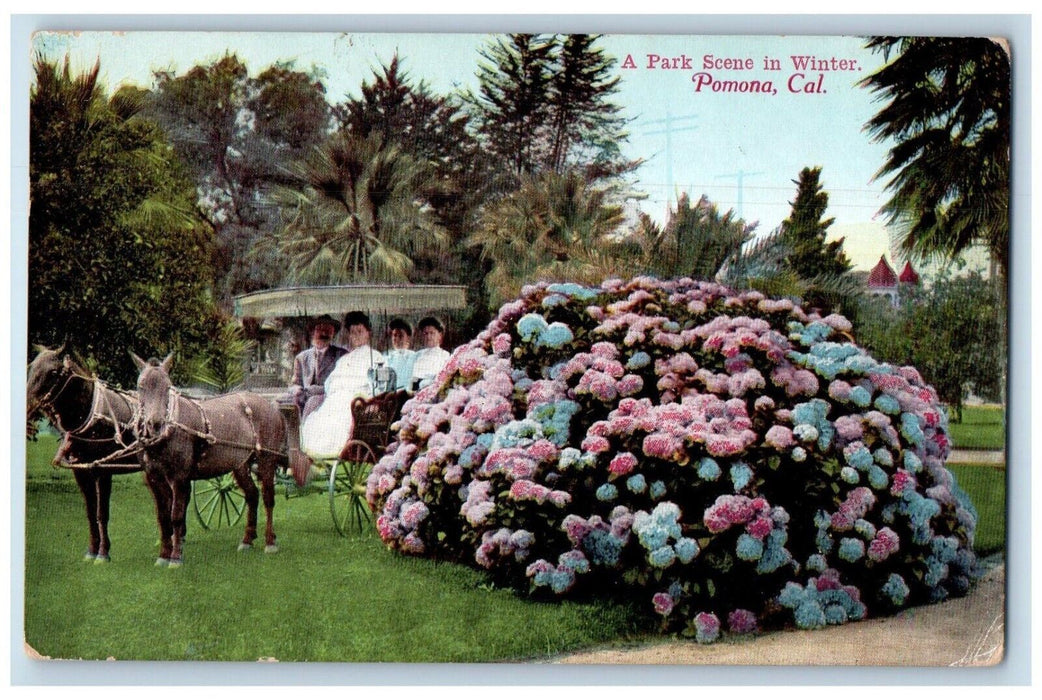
[[432, 129], [697, 241], [544, 104], [235, 132], [555, 227], [117, 258], [354, 212], [949, 332], [948, 112], [805, 230], [222, 366]]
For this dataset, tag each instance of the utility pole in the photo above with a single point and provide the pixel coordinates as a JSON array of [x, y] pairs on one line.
[[672, 125], [740, 177]]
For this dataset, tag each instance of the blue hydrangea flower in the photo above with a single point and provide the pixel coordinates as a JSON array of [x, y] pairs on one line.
[[864, 528], [657, 489], [531, 326], [607, 492], [805, 432], [877, 478], [749, 548], [638, 359], [741, 475], [686, 549], [708, 469], [887, 404], [775, 555], [636, 483], [573, 290], [561, 580], [662, 557], [883, 457], [556, 335], [799, 454], [602, 548], [816, 562], [851, 549], [860, 458], [849, 475], [912, 462], [810, 616], [860, 397]]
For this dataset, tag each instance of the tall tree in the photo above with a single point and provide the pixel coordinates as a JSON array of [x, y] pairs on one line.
[[555, 227], [354, 212], [545, 104], [513, 105], [805, 229], [586, 127], [433, 129], [235, 131], [118, 258], [947, 112]]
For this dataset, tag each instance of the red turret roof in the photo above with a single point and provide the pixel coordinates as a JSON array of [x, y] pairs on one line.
[[908, 275], [882, 274]]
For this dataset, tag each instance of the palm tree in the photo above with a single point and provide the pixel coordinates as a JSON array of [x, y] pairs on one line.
[[948, 113], [357, 211], [696, 241], [556, 227]]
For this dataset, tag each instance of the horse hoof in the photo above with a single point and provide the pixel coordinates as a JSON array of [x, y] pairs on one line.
[[162, 562], [243, 547], [89, 557], [175, 564], [102, 559], [271, 549]]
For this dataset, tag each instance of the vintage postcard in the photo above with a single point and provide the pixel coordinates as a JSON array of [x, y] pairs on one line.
[[518, 348]]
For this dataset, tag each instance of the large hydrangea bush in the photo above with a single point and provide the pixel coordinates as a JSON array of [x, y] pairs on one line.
[[736, 463]]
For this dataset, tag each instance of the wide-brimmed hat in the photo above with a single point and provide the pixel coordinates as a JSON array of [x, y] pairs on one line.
[[323, 319]]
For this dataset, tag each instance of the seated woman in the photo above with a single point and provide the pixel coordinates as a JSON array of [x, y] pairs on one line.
[[325, 431], [431, 357], [401, 357]]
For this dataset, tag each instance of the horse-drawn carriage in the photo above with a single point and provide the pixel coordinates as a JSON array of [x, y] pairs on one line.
[[276, 319], [112, 427]]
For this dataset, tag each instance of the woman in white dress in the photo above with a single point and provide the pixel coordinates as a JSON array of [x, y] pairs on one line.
[[431, 357], [325, 431]]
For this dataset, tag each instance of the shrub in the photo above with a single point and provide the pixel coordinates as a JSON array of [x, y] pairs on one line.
[[730, 458]]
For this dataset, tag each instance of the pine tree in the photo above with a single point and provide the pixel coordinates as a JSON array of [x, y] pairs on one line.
[[805, 230], [586, 128], [513, 105]]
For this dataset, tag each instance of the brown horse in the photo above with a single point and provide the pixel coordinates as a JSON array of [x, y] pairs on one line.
[[183, 440], [95, 422]]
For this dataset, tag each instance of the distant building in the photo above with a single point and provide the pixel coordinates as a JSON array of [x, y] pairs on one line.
[[883, 281]]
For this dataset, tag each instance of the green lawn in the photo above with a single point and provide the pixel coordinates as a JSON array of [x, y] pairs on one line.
[[982, 428], [321, 598]]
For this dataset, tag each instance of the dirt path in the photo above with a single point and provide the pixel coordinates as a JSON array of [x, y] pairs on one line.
[[962, 632]]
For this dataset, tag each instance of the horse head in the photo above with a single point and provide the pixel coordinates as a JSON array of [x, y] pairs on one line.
[[154, 388], [48, 374]]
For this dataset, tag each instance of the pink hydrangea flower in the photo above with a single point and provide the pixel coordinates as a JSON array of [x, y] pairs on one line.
[[622, 464]]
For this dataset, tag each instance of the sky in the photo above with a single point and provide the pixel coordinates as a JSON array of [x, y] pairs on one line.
[[735, 118]]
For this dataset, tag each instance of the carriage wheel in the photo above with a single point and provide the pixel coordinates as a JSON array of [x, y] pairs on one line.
[[217, 502], [347, 479]]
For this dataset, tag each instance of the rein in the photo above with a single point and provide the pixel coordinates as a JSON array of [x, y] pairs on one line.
[[173, 423], [98, 413]]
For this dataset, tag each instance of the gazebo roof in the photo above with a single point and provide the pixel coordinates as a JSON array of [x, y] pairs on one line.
[[371, 298], [882, 274], [909, 275]]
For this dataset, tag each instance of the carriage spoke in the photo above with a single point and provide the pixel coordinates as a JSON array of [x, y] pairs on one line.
[[347, 502], [217, 502]]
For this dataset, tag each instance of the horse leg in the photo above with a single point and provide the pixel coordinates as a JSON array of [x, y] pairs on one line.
[[267, 476], [161, 495], [249, 489], [104, 487], [182, 491], [88, 487]]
